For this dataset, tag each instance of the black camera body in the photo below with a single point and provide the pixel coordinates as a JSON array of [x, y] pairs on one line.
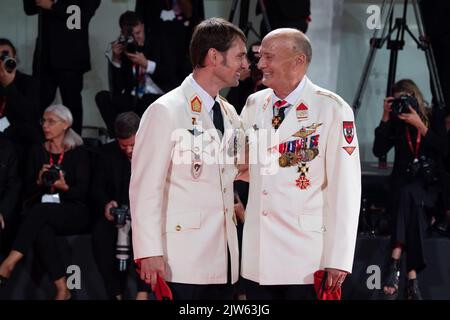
[[120, 214], [9, 62], [49, 177], [128, 41], [424, 168], [401, 104], [122, 220]]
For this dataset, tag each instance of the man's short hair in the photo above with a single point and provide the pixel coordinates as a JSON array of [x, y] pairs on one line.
[[126, 125], [213, 33], [6, 42], [129, 19]]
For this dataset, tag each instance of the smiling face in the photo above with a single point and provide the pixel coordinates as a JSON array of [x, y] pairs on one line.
[[53, 126], [282, 67], [232, 63]]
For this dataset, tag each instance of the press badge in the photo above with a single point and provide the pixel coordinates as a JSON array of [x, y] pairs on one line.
[[4, 124], [51, 198]]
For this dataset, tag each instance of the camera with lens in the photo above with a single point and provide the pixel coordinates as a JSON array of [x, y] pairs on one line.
[[9, 62], [401, 104], [122, 220], [128, 41], [422, 168], [120, 214], [49, 177]]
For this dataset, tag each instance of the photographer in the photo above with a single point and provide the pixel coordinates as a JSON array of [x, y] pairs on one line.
[[110, 191], [418, 138], [19, 117], [61, 55], [58, 182], [141, 70]]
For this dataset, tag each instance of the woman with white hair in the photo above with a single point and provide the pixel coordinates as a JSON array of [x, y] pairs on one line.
[[58, 180]]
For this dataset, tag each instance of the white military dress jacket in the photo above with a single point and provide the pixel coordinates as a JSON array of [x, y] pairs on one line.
[[304, 200], [181, 196]]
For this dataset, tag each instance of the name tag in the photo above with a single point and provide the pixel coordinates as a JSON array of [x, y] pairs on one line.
[[4, 124], [50, 198]]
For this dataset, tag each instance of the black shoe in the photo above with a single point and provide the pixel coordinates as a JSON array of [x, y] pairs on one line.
[[392, 280], [413, 291]]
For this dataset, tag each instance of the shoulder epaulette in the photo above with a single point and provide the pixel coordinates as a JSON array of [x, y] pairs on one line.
[[330, 95]]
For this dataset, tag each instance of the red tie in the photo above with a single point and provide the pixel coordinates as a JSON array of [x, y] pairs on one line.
[[280, 103]]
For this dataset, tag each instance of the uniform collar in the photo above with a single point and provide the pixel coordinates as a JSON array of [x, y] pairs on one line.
[[207, 100], [295, 95]]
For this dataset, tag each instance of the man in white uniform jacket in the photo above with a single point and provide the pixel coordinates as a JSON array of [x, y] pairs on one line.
[[181, 189], [303, 206]]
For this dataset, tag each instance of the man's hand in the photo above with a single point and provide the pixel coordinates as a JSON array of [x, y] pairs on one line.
[[6, 78], [117, 50], [239, 209], [61, 184], [138, 58], [108, 207], [335, 278], [243, 173], [45, 4], [2, 222], [150, 268]]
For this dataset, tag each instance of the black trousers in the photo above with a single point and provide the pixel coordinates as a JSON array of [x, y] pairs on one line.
[[111, 105], [104, 240], [183, 291], [42, 224], [255, 291], [70, 84], [410, 225]]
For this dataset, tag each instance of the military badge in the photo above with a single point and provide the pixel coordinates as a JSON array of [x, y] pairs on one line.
[[284, 161], [302, 112], [302, 182], [349, 150], [195, 132], [305, 132], [349, 131], [196, 105], [276, 121], [196, 167]]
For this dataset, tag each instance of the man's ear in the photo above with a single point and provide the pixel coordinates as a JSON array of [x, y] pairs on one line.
[[300, 59], [212, 57]]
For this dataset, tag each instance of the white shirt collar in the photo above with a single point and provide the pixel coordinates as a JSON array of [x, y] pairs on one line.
[[207, 100], [294, 96]]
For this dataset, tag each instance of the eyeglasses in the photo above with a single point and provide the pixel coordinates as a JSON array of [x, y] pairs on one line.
[[50, 122]]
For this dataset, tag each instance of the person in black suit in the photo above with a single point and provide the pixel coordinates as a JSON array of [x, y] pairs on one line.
[[110, 190], [62, 55], [19, 118], [141, 70], [9, 186], [286, 14], [437, 28]]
